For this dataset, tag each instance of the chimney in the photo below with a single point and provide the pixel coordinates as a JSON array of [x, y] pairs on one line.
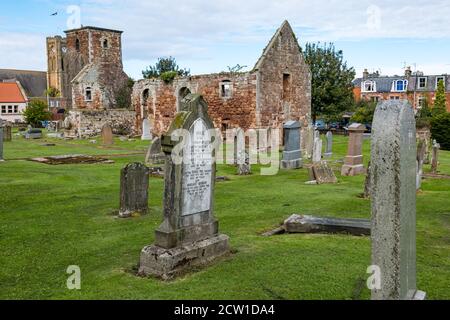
[[365, 74], [408, 72]]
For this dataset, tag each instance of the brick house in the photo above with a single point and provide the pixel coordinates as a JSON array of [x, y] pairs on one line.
[[278, 89], [13, 101], [415, 87]]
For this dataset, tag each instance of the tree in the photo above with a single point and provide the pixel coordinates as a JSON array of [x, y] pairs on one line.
[[36, 112], [364, 112], [332, 87], [123, 96], [440, 101], [163, 66], [52, 92], [424, 114], [440, 129]]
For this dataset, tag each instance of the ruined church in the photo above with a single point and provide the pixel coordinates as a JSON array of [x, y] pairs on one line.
[[278, 89]]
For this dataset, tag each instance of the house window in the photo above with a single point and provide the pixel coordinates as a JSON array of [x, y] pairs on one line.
[[369, 86], [421, 102], [395, 98], [438, 79], [16, 109], [3, 109], [10, 109], [226, 89], [422, 83], [88, 94], [375, 99]]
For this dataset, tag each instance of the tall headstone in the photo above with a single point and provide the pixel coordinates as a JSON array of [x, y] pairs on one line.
[[393, 174], [308, 141], [240, 154], [146, 130], [107, 135], [353, 163], [1, 142], [292, 155], [317, 151], [435, 157], [421, 152], [329, 146], [134, 182], [189, 235]]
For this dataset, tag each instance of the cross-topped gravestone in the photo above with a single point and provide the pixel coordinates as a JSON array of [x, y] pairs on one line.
[[329, 147], [353, 164], [393, 193], [292, 155], [189, 234], [107, 135], [134, 180]]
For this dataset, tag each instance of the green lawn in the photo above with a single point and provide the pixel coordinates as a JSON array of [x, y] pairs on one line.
[[55, 216]]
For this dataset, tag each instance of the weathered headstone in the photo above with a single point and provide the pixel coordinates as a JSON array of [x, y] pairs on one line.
[[245, 168], [134, 181], [33, 134], [353, 164], [308, 141], [323, 173], [1, 142], [435, 157], [329, 146], [154, 153], [292, 155], [393, 175], [189, 235], [367, 183], [146, 130], [317, 151], [7, 132], [421, 152], [107, 135]]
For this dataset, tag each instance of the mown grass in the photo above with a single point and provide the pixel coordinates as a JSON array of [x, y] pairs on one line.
[[55, 216]]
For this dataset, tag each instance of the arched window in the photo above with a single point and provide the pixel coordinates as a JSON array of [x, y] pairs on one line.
[[77, 45], [105, 44], [88, 94], [226, 89], [369, 86], [181, 95]]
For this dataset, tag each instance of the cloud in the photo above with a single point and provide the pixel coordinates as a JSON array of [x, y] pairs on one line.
[[22, 51]]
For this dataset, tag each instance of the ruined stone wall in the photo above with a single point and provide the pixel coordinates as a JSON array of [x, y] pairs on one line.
[[235, 110], [89, 123], [284, 82]]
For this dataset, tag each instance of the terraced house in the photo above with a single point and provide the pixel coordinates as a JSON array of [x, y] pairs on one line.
[[416, 87]]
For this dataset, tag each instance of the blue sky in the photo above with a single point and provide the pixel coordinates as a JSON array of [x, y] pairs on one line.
[[207, 36]]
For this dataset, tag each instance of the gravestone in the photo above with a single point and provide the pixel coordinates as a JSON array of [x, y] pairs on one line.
[[154, 153], [329, 146], [33, 134], [146, 130], [421, 152], [134, 181], [317, 151], [367, 182], [1, 142], [308, 141], [323, 174], [435, 157], [393, 175], [7, 132], [189, 235], [292, 155], [353, 163], [107, 135]]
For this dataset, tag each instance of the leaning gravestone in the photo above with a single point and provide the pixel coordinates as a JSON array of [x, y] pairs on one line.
[[292, 155], [393, 191], [353, 164], [323, 173], [435, 157], [189, 235], [107, 135], [146, 131], [134, 179], [154, 153], [329, 146]]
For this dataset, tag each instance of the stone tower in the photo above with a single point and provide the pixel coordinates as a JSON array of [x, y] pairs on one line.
[[55, 62]]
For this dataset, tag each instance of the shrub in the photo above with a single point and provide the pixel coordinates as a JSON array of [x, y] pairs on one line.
[[169, 76], [365, 111], [36, 112], [440, 130]]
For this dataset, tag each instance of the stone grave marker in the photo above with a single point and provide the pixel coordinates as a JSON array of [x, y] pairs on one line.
[[307, 141], [323, 173], [1, 142], [107, 135], [33, 134], [353, 163], [154, 153], [134, 182], [329, 146], [189, 235], [435, 157], [393, 175], [317, 151], [292, 155], [146, 130], [7, 132], [421, 153]]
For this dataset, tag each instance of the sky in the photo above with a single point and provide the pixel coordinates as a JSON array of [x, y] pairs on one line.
[[208, 36]]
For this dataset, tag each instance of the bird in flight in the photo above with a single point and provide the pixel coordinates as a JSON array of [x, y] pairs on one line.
[[54, 14]]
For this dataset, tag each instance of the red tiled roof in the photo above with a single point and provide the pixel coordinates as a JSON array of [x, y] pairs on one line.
[[11, 93]]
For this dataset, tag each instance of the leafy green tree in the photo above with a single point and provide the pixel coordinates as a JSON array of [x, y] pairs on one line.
[[332, 87], [36, 112], [424, 114], [440, 129], [163, 66], [365, 111], [440, 102], [52, 92]]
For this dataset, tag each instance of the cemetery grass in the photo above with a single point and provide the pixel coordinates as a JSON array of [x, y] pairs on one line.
[[52, 217]]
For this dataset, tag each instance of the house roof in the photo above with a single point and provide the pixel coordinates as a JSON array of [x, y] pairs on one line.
[[384, 84], [89, 74], [33, 82], [10, 92]]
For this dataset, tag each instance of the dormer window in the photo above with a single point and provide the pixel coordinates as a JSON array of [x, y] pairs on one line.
[[400, 85], [88, 94], [369, 86], [422, 83], [226, 89], [440, 78]]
